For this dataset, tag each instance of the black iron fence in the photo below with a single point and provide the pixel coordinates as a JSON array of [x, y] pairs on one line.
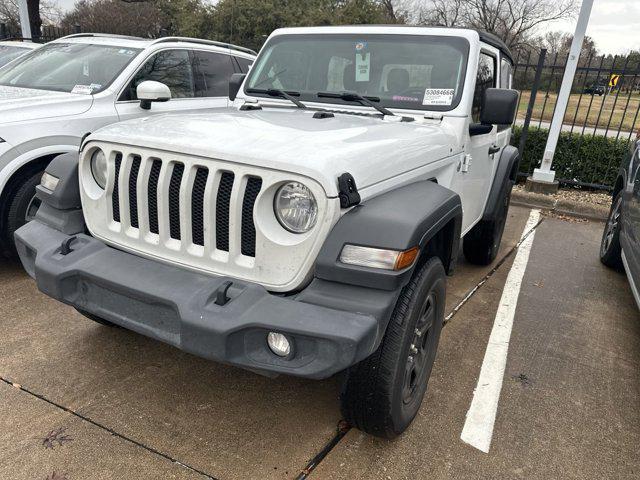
[[49, 32], [602, 115]]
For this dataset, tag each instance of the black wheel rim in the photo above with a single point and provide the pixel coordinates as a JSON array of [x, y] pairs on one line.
[[32, 209], [611, 228], [421, 351]]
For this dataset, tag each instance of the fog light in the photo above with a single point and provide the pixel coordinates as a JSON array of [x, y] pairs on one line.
[[279, 344], [49, 182]]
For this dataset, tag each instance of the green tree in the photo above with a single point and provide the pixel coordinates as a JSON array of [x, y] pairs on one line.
[[249, 22]]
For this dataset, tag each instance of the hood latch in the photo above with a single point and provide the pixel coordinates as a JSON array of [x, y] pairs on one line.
[[347, 191]]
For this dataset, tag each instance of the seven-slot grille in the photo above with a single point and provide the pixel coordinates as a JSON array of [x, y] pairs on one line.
[[184, 190]]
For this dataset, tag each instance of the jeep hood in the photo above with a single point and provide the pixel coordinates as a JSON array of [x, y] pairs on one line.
[[292, 140], [19, 104]]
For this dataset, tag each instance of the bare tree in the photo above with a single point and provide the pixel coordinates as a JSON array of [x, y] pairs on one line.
[[49, 13], [445, 13], [515, 21], [114, 16]]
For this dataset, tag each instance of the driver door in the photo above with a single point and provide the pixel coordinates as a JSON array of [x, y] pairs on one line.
[[481, 155], [197, 79]]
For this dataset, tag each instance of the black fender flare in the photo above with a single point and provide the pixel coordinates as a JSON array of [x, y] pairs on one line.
[[62, 207], [504, 178], [401, 219], [66, 195]]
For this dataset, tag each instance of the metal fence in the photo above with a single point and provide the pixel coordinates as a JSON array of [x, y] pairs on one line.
[[604, 105], [49, 32]]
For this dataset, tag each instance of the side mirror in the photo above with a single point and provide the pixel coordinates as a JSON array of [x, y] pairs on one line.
[[235, 82], [150, 91], [499, 106]]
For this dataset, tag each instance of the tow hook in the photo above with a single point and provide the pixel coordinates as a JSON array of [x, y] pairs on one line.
[[65, 247], [221, 294]]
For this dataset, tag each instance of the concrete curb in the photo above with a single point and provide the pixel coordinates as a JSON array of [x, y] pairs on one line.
[[562, 206]]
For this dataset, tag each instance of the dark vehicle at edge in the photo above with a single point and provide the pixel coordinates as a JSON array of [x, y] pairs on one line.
[[620, 246]]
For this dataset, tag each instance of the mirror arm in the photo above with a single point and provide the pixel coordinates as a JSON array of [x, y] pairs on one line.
[[479, 129], [145, 104]]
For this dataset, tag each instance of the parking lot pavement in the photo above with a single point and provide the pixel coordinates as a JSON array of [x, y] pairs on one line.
[[39, 441], [146, 410], [569, 401]]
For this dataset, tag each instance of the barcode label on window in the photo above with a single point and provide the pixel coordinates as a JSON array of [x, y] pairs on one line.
[[438, 96]]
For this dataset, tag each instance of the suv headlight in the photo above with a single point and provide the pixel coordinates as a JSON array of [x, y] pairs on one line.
[[99, 168], [295, 207]]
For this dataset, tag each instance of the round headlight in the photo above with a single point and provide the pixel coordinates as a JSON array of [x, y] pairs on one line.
[[99, 168], [296, 207]]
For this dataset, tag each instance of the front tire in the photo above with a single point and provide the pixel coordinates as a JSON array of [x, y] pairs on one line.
[[610, 249], [21, 207], [382, 394], [482, 242]]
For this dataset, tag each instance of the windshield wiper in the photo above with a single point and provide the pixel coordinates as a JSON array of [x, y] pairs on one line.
[[275, 92], [356, 97]]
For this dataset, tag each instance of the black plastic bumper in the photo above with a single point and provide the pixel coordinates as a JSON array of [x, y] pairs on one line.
[[179, 307]]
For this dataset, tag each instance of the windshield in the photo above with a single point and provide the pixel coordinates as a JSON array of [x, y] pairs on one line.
[[9, 52], [416, 72], [68, 67]]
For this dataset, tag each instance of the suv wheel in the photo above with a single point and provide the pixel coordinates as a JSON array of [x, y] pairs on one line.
[[481, 243], [21, 207], [610, 250], [382, 394]]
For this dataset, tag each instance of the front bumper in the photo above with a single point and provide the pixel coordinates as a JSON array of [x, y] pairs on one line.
[[179, 307]]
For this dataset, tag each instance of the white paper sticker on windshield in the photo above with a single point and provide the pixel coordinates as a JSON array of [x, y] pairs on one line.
[[363, 64], [438, 97], [82, 89], [363, 61]]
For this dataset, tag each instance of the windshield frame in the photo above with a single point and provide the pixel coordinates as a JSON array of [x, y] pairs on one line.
[[463, 44], [21, 59]]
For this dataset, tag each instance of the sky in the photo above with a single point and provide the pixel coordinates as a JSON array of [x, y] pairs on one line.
[[614, 24]]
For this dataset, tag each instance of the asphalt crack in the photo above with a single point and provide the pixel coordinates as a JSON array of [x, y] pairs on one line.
[[486, 278], [108, 430]]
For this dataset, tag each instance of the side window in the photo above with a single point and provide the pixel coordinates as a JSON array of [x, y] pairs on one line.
[[171, 67], [244, 63], [506, 73], [212, 74], [486, 79]]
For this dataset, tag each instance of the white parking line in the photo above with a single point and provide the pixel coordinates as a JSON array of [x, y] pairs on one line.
[[478, 426]]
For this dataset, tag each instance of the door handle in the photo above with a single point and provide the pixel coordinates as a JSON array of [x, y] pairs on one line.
[[493, 149]]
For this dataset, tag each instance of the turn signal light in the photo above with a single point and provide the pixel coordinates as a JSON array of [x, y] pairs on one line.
[[406, 258], [378, 257]]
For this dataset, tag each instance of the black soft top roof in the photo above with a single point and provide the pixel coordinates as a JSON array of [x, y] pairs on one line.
[[496, 42]]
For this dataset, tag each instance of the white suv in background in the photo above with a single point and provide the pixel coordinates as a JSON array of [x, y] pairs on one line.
[[12, 49], [52, 98]]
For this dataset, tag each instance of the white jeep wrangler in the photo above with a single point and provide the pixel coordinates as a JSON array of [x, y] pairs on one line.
[[308, 230]]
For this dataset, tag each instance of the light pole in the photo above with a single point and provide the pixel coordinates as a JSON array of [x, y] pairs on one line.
[[24, 19], [544, 174]]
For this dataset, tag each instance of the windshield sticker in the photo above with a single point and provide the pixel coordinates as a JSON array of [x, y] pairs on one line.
[[403, 98], [438, 97], [363, 62], [83, 89], [124, 51]]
